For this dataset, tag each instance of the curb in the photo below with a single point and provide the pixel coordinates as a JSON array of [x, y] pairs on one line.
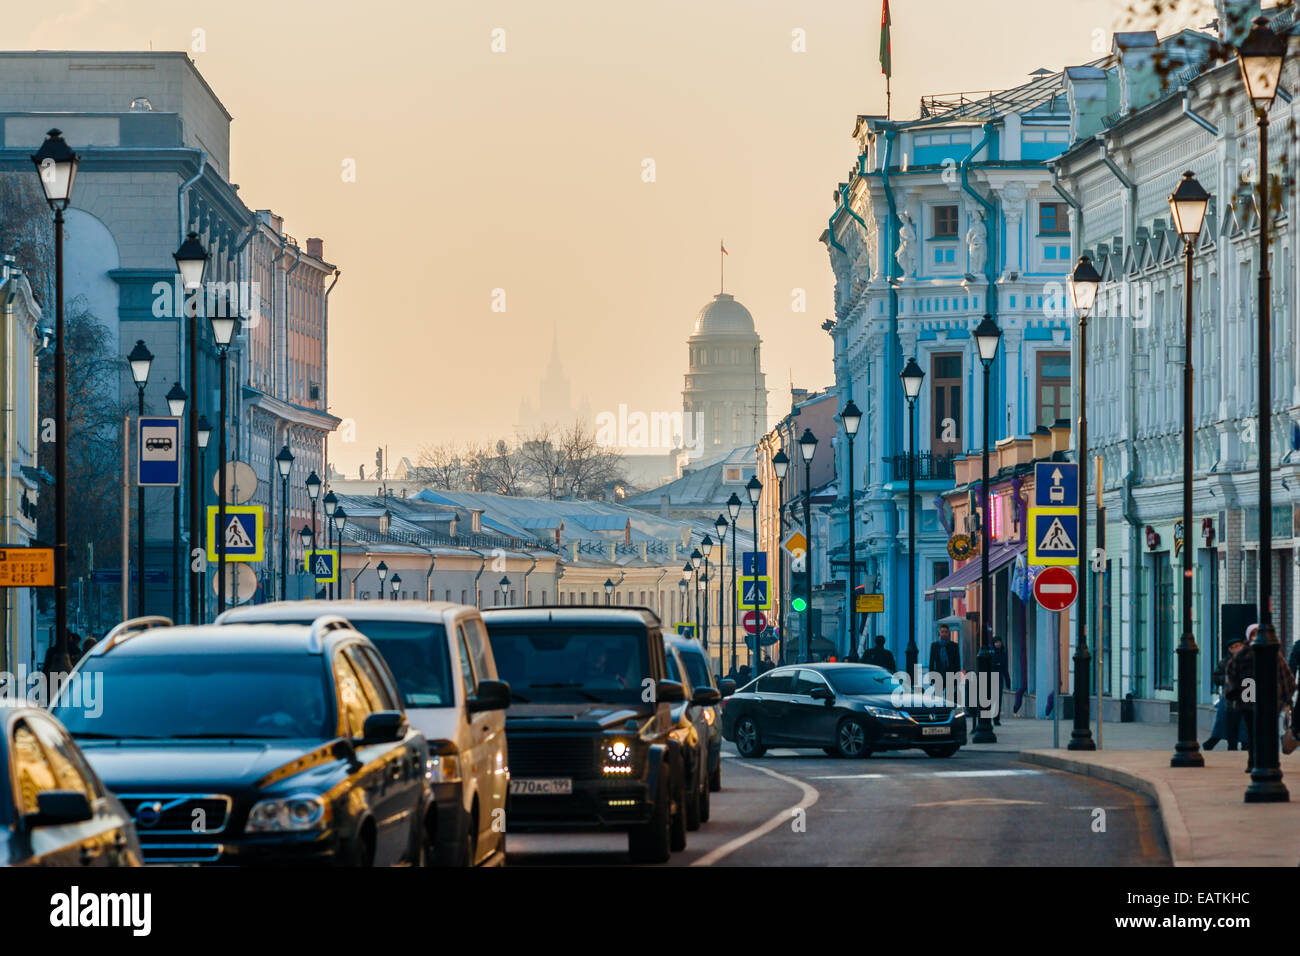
[[1177, 838]]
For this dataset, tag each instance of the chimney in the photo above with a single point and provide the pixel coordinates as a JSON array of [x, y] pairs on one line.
[[558, 528], [627, 532], [316, 248], [1139, 83], [1042, 442], [476, 521], [1060, 435], [1234, 17], [665, 501], [613, 551], [1085, 91], [575, 552], [645, 551]]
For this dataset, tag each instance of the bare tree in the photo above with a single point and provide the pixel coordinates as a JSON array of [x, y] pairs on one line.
[[446, 467], [27, 234], [572, 459], [502, 470]]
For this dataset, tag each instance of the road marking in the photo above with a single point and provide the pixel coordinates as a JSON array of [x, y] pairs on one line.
[[810, 795], [853, 776], [981, 802], [934, 773]]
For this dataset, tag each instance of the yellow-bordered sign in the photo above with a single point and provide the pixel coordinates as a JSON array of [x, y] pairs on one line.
[[243, 533], [1054, 536], [323, 565], [745, 596]]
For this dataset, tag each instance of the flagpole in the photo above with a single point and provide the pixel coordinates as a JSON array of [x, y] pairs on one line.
[[722, 268], [888, 99]]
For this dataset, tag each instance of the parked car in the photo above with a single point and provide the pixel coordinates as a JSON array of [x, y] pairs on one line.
[[701, 675], [590, 729], [848, 710], [693, 731], [254, 744], [441, 659], [54, 810]]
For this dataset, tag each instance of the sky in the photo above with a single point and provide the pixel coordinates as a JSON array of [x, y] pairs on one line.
[[576, 162]]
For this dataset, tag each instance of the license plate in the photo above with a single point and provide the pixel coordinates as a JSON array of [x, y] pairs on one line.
[[934, 731], [527, 786]]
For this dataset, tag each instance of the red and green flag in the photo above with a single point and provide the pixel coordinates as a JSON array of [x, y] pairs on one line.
[[886, 63]]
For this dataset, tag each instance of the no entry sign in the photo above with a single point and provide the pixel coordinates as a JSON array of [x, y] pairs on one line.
[[1055, 588], [754, 621]]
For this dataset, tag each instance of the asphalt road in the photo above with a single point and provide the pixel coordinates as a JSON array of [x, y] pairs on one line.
[[802, 808]]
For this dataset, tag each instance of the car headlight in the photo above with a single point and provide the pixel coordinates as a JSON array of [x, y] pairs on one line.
[[619, 755], [959, 713], [303, 811], [884, 713]]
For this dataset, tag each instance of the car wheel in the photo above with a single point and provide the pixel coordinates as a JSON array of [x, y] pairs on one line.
[[650, 842], [851, 738], [748, 740], [677, 838], [945, 751]]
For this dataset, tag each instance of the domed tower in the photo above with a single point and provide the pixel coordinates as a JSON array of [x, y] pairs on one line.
[[725, 398]]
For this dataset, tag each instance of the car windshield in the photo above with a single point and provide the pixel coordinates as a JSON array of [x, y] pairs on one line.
[[416, 653], [697, 669], [554, 662], [199, 696], [861, 680]]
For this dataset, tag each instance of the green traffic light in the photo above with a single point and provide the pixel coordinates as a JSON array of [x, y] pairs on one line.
[[799, 604]]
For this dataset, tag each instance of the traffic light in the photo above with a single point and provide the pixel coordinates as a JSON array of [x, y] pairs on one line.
[[799, 605]]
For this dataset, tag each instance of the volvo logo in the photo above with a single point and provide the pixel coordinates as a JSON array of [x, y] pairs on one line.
[[148, 814]]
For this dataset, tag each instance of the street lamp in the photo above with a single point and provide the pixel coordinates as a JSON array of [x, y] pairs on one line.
[[504, 584], [987, 336], [754, 488], [706, 548], [176, 399], [720, 525], [807, 449], [684, 584], [198, 532], [688, 578], [781, 466], [339, 521], [223, 332], [382, 571], [330, 503], [851, 418], [306, 535], [1188, 204], [191, 262], [912, 377], [141, 360], [681, 596], [733, 509], [395, 584], [284, 462], [1084, 282], [1260, 59], [56, 165]]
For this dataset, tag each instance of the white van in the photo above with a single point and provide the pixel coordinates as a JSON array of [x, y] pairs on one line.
[[440, 655]]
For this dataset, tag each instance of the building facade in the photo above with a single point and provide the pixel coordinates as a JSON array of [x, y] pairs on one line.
[[724, 401]]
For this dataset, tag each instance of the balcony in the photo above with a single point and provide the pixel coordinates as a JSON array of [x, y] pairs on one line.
[[927, 466]]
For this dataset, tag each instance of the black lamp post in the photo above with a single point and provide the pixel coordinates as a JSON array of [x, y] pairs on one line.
[[807, 449], [199, 532], [305, 536], [706, 548], [720, 525], [987, 336], [313, 495], [395, 583], [780, 466], [176, 399], [504, 585], [382, 571], [754, 487], [141, 360], [1083, 293], [1260, 58], [912, 378], [284, 462], [223, 332], [340, 522], [696, 559], [609, 592], [681, 597], [56, 165], [191, 262], [733, 509], [330, 503], [1188, 204], [687, 574], [851, 418]]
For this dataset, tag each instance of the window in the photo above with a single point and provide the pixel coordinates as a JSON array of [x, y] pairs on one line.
[[1053, 387], [352, 706], [1163, 618], [32, 772], [806, 681], [478, 649], [466, 668], [945, 395], [1099, 599], [780, 682], [942, 606], [1053, 219], [945, 222], [945, 256], [70, 771], [373, 684]]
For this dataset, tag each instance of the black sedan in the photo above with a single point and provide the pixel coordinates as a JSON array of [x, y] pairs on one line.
[[848, 710]]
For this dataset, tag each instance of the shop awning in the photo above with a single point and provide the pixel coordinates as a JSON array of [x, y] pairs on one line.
[[969, 573]]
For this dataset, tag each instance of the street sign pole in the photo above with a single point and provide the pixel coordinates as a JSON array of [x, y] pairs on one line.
[[126, 517]]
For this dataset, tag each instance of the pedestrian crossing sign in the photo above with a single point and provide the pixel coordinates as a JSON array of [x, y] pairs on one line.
[[754, 593], [684, 629], [323, 565], [243, 533], [1054, 536]]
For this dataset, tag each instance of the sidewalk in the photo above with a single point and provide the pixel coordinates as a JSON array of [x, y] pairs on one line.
[[1205, 817]]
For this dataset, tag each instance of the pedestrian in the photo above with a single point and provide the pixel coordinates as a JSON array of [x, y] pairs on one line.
[[945, 657], [1240, 669], [999, 665], [74, 646], [880, 655], [1227, 719], [86, 645], [742, 675]]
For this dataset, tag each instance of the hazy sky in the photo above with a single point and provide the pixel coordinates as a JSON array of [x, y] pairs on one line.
[[523, 171]]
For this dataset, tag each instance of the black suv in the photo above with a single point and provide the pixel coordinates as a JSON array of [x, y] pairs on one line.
[[253, 743], [590, 733]]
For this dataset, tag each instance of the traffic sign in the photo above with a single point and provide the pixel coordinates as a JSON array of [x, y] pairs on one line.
[[754, 592], [684, 629], [869, 603], [243, 533], [1054, 536], [1056, 484], [323, 565], [158, 448], [26, 567], [241, 583], [753, 621], [1055, 588], [241, 482], [796, 544], [751, 559]]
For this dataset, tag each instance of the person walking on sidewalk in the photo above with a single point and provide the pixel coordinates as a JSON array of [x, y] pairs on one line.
[[999, 664], [1240, 669], [880, 655], [1227, 719]]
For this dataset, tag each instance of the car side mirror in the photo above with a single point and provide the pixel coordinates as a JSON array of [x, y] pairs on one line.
[[383, 727], [58, 807], [670, 692], [491, 695], [706, 696], [727, 687], [821, 693]]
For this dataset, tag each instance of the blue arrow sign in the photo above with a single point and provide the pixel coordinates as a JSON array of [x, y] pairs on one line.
[[158, 452], [1056, 484], [750, 559]]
